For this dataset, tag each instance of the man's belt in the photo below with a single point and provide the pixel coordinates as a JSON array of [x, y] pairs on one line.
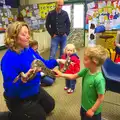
[[60, 33]]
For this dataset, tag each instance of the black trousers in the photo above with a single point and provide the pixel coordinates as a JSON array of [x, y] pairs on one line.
[[33, 108], [85, 117]]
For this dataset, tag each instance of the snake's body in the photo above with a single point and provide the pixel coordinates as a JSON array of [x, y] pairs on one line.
[[39, 64]]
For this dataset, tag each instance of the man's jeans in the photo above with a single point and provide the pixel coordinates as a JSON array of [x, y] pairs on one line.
[[58, 40]]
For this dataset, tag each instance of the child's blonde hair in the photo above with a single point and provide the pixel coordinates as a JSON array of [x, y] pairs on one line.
[[71, 46], [97, 54]]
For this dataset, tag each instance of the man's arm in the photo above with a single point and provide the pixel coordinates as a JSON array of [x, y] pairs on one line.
[[48, 24], [68, 25]]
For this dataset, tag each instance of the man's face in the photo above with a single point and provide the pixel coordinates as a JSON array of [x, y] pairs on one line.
[[59, 4]]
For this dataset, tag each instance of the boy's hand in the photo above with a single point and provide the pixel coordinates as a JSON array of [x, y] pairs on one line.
[[90, 113], [58, 73]]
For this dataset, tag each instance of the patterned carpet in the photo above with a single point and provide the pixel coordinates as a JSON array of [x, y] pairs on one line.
[[67, 106]]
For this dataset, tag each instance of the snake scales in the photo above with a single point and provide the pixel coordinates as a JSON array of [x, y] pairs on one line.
[[39, 64]]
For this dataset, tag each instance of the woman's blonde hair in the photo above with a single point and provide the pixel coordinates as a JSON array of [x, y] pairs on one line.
[[71, 46], [12, 34], [97, 54]]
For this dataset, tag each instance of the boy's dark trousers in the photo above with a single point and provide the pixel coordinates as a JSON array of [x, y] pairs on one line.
[[85, 117], [32, 108]]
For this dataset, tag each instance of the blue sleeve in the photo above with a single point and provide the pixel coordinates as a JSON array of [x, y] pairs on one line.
[[9, 73], [49, 63]]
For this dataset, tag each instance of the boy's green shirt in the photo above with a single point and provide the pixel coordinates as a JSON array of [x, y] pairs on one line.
[[92, 85]]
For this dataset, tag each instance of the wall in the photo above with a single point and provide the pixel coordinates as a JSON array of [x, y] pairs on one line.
[[25, 2]]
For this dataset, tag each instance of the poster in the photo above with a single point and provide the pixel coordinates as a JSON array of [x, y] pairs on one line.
[[106, 12], [45, 8]]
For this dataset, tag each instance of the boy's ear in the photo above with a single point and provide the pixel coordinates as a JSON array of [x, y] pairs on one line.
[[95, 61]]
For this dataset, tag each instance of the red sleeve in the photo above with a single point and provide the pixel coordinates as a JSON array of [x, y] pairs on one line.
[[76, 66]]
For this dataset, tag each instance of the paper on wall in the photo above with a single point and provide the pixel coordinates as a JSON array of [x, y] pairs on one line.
[[35, 22], [27, 8], [6, 21], [101, 4], [35, 6], [23, 12], [29, 14], [90, 12], [37, 17], [36, 12], [33, 18], [91, 5]]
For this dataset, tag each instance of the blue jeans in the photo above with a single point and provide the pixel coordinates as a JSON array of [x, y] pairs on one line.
[[58, 40], [70, 84], [85, 117], [47, 80]]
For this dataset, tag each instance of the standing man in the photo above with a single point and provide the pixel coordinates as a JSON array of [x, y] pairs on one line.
[[58, 26]]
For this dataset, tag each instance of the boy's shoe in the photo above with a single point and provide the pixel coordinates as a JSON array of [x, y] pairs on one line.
[[65, 88], [39, 64], [70, 91]]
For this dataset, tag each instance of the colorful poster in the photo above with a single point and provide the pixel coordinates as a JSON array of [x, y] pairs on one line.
[[108, 12], [45, 8]]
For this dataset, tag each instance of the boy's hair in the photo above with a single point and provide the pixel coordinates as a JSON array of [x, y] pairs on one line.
[[70, 46], [97, 54], [33, 43]]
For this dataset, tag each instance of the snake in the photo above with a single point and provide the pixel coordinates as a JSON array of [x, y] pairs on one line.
[[66, 65], [39, 64]]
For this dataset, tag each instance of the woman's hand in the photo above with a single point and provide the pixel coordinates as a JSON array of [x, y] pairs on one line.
[[25, 76], [61, 61]]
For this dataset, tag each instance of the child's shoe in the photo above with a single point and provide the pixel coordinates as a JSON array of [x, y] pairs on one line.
[[70, 91], [65, 88]]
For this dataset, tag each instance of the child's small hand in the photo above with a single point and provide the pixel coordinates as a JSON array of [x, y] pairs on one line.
[[90, 113], [72, 63]]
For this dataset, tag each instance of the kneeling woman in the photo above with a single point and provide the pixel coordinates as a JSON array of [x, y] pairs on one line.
[[25, 98]]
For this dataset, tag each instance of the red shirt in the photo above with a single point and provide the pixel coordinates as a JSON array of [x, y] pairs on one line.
[[72, 69]]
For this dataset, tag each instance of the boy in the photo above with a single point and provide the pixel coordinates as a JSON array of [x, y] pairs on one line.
[[93, 82]]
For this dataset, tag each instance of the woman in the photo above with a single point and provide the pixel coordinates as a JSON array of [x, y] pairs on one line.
[[117, 43], [25, 98]]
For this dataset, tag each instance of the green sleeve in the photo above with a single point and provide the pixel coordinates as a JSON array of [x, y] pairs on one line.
[[82, 72], [100, 84]]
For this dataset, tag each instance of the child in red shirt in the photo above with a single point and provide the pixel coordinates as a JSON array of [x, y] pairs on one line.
[[72, 68]]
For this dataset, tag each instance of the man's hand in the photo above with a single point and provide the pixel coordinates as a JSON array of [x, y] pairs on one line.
[[65, 34], [54, 35], [90, 113]]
